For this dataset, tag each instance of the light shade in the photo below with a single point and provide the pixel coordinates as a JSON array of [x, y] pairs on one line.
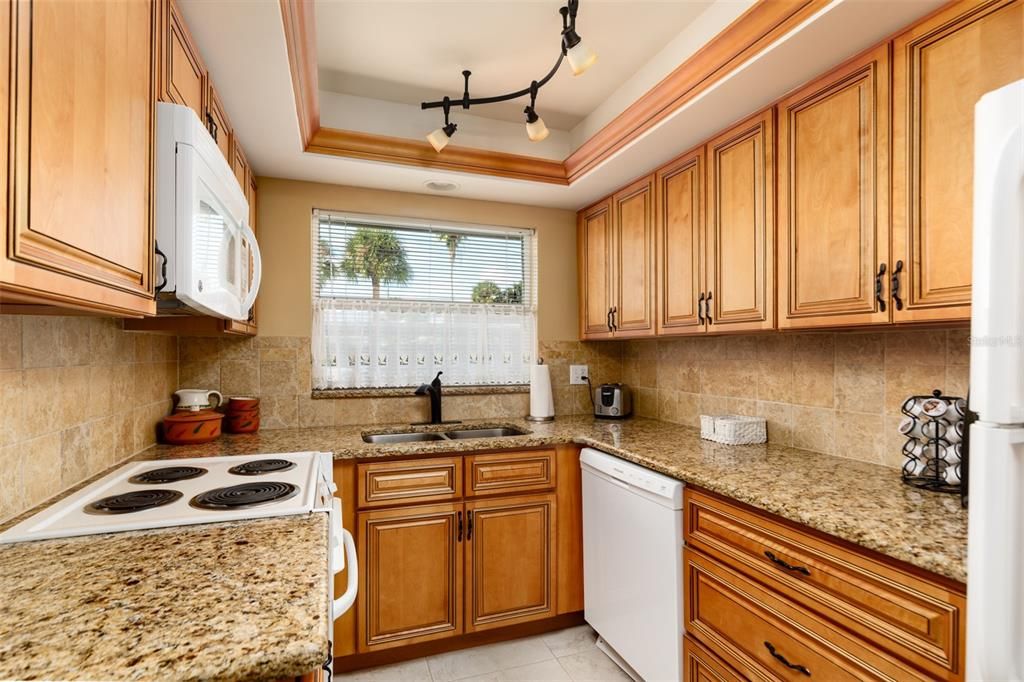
[[580, 58], [439, 139], [536, 130]]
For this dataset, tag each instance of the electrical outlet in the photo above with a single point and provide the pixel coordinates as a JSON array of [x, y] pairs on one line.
[[577, 374]]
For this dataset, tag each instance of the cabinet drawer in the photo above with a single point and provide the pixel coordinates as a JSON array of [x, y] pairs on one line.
[[510, 472], [700, 665], [915, 619], [409, 481], [768, 637]]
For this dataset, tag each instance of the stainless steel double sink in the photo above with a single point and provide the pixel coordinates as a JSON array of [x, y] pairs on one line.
[[427, 436]]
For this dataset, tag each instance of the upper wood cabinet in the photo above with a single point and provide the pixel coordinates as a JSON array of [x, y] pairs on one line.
[[615, 241], [740, 227], [182, 73], [594, 243], [510, 561], [79, 177], [633, 264], [410, 573], [218, 123], [833, 177], [680, 245], [940, 69]]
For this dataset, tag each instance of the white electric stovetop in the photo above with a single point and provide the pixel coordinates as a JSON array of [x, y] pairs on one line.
[[175, 492]]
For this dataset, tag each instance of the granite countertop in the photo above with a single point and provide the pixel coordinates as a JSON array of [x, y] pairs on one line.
[[243, 600], [863, 503]]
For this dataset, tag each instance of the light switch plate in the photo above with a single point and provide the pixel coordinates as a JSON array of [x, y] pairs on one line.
[[577, 374]]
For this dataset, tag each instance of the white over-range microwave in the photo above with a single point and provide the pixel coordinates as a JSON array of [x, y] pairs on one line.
[[208, 260]]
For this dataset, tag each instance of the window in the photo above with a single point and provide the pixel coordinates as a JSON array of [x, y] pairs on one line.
[[397, 300]]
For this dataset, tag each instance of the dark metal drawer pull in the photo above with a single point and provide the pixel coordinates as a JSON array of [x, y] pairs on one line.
[[789, 567], [897, 301], [469, 524], [878, 287], [700, 308], [782, 659], [460, 527]]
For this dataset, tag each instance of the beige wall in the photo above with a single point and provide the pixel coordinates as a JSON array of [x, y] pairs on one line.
[[77, 394], [285, 208]]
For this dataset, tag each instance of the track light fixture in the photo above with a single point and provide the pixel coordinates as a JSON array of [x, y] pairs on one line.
[[535, 128], [440, 137], [573, 50]]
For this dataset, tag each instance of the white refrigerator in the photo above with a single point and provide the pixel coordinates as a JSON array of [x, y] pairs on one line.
[[995, 547]]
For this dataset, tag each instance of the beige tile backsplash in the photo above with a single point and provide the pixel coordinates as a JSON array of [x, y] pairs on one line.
[[277, 370], [77, 394], [835, 393]]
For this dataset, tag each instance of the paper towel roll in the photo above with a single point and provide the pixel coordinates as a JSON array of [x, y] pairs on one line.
[[542, 403]]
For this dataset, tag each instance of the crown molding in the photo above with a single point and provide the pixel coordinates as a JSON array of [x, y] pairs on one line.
[[751, 32]]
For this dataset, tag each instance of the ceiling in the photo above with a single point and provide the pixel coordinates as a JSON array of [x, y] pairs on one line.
[[409, 52], [243, 45]]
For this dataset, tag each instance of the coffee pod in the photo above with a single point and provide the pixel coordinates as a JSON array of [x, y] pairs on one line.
[[913, 406], [909, 426], [952, 475], [955, 432], [952, 455], [913, 448], [934, 429], [934, 407], [960, 407]]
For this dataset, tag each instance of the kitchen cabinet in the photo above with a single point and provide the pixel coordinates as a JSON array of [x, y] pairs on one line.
[[633, 260], [510, 560], [941, 67], [594, 244], [833, 251], [740, 227], [240, 167], [840, 612], [411, 574], [616, 247], [218, 124], [79, 164], [182, 72], [680, 245], [461, 546]]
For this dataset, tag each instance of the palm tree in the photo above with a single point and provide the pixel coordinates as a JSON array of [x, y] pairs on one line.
[[451, 240], [377, 255]]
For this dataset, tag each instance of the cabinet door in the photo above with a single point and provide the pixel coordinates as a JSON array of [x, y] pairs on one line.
[[510, 561], [594, 246], [410, 573], [182, 73], [633, 218], [81, 171], [833, 197], [219, 125], [679, 222], [240, 166], [940, 69], [740, 230]]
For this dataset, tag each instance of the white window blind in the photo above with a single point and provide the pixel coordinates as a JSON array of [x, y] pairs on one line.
[[397, 300]]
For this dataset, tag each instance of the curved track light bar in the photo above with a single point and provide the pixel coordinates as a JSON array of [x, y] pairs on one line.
[[580, 59]]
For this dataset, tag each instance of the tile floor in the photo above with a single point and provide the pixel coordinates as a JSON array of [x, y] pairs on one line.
[[570, 655]]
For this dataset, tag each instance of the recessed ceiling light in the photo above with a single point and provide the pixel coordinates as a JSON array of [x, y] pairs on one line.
[[440, 186]]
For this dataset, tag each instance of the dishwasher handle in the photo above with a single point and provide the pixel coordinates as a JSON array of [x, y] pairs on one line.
[[345, 601]]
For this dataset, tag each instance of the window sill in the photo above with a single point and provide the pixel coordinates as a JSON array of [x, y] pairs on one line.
[[407, 391]]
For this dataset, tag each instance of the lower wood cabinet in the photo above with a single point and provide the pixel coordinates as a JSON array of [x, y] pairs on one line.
[[772, 601], [510, 561], [411, 575], [439, 559]]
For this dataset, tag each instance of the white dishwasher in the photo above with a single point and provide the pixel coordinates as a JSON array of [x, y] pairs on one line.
[[633, 564]]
